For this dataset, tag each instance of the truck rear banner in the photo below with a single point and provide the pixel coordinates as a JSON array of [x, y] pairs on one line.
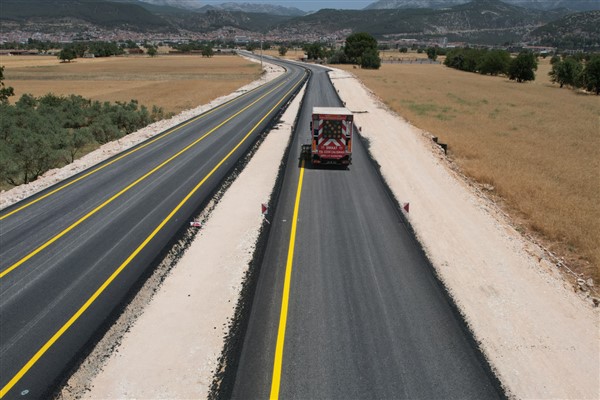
[[331, 135]]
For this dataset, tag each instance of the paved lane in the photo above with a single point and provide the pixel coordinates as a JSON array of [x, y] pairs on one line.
[[68, 260], [366, 317]]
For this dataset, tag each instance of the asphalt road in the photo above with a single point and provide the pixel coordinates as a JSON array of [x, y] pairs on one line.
[[70, 255], [366, 317]]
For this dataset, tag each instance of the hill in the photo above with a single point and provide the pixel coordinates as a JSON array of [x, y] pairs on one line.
[[575, 5], [180, 4], [255, 8], [132, 15], [574, 31], [96, 12], [488, 21], [212, 20], [480, 21]]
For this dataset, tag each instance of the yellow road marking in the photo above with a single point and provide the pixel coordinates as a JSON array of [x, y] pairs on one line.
[[276, 381], [124, 190], [160, 136], [125, 263]]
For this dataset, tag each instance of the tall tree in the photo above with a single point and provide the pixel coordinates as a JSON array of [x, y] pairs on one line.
[[566, 72], [522, 67], [357, 44], [494, 62], [314, 51], [67, 54], [591, 75], [5, 91], [432, 53], [207, 51]]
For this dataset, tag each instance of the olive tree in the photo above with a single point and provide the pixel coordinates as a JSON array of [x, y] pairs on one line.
[[522, 67]]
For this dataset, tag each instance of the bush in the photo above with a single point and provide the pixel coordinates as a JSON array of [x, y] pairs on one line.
[[338, 57], [37, 134], [370, 59]]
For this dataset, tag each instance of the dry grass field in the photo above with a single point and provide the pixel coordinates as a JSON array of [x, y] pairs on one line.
[[536, 144], [174, 83], [292, 54]]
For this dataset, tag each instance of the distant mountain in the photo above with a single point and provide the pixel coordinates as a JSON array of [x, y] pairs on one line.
[[487, 21], [574, 31], [575, 5], [480, 21], [132, 15], [182, 4], [212, 20], [196, 5], [394, 4], [96, 12], [256, 8], [154, 8]]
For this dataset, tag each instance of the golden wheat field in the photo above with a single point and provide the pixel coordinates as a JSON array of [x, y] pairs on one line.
[[536, 144], [173, 82]]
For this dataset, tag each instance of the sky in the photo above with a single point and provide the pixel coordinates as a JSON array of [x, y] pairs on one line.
[[306, 5]]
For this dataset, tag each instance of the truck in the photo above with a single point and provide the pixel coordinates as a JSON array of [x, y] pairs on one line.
[[330, 136]]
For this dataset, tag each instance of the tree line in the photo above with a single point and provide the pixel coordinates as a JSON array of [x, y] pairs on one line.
[[41, 133], [360, 48], [578, 71], [581, 71], [493, 62]]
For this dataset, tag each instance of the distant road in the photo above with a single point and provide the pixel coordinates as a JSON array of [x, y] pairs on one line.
[[365, 316], [70, 255]]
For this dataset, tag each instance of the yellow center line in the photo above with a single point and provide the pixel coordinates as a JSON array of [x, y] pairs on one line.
[[276, 381], [160, 136], [125, 263], [127, 188]]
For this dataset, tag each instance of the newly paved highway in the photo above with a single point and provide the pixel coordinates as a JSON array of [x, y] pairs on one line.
[[363, 315], [71, 254]]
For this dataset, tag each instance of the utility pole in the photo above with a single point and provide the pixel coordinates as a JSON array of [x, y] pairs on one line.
[[261, 62]]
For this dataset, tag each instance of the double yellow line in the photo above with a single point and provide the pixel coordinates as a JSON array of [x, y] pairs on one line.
[[125, 263], [125, 189]]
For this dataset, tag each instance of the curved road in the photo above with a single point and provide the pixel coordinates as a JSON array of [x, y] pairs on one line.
[[70, 255], [363, 315]]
